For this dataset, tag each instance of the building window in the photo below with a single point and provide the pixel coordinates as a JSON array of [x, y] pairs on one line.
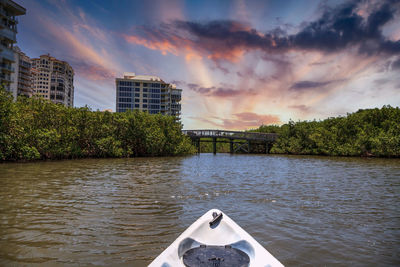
[[144, 105], [136, 105], [125, 99], [145, 90], [144, 100], [128, 94], [137, 95], [144, 95]]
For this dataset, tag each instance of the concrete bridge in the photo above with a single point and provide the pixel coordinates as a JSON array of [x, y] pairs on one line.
[[238, 140]]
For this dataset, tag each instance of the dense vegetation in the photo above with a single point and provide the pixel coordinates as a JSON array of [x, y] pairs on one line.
[[33, 128], [369, 132]]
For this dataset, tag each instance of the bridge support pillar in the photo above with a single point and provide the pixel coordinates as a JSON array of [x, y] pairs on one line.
[[249, 147], [215, 145], [231, 146], [198, 146], [268, 146]]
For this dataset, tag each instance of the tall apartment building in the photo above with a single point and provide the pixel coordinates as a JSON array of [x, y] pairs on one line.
[[8, 31], [22, 76], [147, 93], [53, 79]]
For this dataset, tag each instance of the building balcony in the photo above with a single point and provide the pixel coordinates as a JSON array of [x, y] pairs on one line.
[[9, 34], [7, 67], [7, 53], [25, 77], [25, 82], [6, 78], [26, 90], [24, 85], [12, 9], [13, 20]]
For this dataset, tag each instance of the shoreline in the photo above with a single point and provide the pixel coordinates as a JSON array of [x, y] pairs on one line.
[[197, 154]]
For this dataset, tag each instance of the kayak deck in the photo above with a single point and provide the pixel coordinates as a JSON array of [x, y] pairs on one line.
[[215, 240]]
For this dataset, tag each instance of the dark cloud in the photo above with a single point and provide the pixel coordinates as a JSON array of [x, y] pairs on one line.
[[337, 28], [320, 63], [223, 90], [305, 85]]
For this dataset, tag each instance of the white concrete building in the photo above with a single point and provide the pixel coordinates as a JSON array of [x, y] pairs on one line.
[[53, 79], [147, 93]]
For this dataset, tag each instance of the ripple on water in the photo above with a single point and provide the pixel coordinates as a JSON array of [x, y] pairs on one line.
[[304, 210]]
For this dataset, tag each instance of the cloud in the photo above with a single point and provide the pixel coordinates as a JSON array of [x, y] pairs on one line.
[[247, 120], [305, 85], [68, 33], [302, 108], [232, 73], [92, 71], [223, 91], [241, 121], [396, 64], [337, 29]]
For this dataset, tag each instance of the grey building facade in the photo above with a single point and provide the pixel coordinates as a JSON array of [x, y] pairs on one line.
[[9, 10]]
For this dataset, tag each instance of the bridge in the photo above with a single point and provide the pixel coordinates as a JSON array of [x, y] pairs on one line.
[[239, 141]]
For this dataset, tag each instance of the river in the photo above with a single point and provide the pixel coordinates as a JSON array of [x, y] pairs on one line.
[[307, 211]]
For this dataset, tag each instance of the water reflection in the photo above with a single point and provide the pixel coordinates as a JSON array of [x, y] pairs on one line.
[[304, 210]]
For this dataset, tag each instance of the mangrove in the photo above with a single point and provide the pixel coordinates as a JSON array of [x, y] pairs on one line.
[[35, 128]]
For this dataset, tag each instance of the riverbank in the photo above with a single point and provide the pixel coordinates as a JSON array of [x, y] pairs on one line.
[[36, 129], [369, 132], [365, 133]]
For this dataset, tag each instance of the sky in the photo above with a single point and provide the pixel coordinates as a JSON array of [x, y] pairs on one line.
[[241, 64]]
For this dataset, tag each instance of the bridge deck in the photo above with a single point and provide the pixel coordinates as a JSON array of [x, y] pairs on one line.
[[250, 136]]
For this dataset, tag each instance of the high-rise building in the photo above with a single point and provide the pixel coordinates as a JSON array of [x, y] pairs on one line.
[[147, 93], [22, 76], [53, 79], [8, 31]]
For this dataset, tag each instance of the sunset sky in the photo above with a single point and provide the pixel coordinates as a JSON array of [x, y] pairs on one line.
[[240, 63]]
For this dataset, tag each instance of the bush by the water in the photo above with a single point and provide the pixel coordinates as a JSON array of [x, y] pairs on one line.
[[369, 132], [33, 128]]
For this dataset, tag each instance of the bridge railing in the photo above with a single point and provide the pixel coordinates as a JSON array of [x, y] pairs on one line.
[[231, 134]]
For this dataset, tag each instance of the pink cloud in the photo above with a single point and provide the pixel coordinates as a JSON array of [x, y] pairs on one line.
[[241, 121]]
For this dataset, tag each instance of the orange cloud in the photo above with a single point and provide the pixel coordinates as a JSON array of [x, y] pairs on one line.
[[164, 46], [172, 41]]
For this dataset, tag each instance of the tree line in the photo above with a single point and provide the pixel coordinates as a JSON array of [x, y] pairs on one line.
[[35, 128], [367, 132]]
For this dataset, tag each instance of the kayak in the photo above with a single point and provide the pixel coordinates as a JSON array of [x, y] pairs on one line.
[[215, 240]]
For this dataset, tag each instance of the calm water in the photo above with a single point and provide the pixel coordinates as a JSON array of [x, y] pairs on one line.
[[317, 211]]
